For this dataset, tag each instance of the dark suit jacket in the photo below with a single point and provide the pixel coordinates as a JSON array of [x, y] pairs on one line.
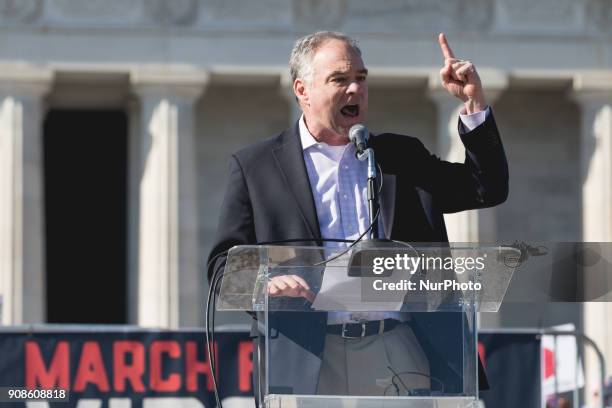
[[269, 199]]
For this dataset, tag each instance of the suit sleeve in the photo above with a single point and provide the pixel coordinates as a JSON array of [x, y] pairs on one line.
[[236, 219], [480, 181]]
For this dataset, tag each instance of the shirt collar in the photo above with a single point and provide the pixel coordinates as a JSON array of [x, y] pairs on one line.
[[308, 139]]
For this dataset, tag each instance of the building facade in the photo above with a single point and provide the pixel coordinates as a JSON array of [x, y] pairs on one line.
[[159, 93]]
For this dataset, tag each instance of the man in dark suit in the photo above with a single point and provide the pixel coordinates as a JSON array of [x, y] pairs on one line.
[[307, 184]]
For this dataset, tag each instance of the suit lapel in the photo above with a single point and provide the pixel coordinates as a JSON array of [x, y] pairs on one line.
[[387, 203], [290, 160], [289, 157]]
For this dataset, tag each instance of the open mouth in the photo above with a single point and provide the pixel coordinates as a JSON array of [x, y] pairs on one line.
[[350, 111]]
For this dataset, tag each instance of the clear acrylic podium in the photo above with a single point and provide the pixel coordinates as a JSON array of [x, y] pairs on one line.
[[431, 292]]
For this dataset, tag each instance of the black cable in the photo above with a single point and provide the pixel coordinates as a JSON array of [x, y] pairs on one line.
[[399, 378], [355, 242], [397, 375], [212, 337], [217, 274], [285, 241], [360, 237]]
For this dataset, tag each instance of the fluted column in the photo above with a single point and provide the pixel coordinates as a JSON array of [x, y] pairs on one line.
[[593, 92], [596, 157], [169, 278], [22, 278], [474, 225]]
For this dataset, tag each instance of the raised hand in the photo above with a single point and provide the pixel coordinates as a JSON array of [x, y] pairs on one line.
[[461, 79]]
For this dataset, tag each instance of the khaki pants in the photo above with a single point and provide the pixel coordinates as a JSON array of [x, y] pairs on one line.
[[361, 366]]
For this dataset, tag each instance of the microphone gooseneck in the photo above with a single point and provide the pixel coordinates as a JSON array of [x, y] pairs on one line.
[[359, 135]]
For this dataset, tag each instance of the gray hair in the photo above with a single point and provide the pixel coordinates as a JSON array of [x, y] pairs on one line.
[[301, 56]]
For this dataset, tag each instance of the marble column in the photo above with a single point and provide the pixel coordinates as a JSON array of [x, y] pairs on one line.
[[22, 259], [169, 278], [474, 225], [593, 93]]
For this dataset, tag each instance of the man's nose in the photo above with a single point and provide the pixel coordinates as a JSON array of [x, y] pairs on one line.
[[354, 87]]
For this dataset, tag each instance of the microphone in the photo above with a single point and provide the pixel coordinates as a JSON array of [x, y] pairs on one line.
[[526, 251], [358, 135]]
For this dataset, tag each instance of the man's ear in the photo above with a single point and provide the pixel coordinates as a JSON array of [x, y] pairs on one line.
[[301, 91]]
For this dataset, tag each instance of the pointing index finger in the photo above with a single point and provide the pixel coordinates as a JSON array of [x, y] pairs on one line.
[[446, 50]]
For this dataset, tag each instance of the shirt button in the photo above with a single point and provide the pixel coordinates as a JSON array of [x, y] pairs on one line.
[[345, 167], [319, 146], [344, 196]]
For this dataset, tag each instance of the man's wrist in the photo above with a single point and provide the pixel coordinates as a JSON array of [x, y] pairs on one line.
[[469, 122], [473, 106]]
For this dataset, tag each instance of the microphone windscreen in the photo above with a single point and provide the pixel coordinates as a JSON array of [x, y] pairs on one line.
[[358, 132]]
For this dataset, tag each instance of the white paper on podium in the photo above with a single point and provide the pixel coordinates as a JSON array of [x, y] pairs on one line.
[[340, 292]]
